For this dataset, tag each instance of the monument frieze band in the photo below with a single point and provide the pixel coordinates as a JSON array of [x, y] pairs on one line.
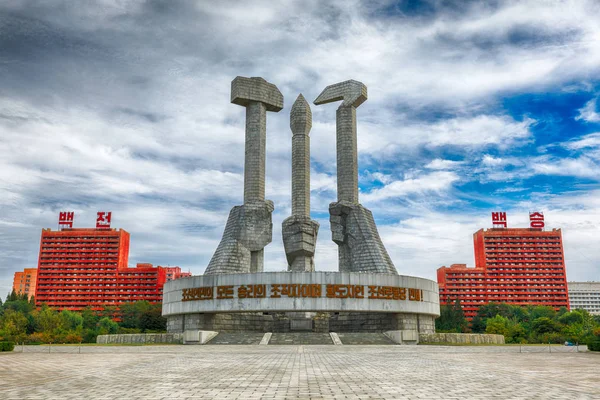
[[301, 291]]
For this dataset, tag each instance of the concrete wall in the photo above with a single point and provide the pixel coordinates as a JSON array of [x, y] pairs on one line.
[[141, 338], [461, 338], [322, 322]]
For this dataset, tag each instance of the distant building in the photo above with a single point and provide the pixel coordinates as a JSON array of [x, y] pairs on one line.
[[175, 273], [586, 296], [24, 282], [518, 266], [88, 267]]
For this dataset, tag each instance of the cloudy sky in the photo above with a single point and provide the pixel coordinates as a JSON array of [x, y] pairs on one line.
[[473, 107]]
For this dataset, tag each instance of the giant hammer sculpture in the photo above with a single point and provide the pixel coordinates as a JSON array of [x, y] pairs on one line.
[[352, 226], [249, 228], [299, 231]]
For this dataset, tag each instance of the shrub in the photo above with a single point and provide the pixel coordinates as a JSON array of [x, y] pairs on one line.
[[594, 344], [73, 337], [39, 338], [7, 346], [89, 335]]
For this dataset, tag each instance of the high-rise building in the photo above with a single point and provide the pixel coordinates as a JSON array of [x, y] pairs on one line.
[[586, 296], [518, 266], [78, 267], [24, 282], [88, 267]]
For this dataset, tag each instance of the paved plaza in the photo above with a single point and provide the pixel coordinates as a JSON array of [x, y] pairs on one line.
[[299, 372]]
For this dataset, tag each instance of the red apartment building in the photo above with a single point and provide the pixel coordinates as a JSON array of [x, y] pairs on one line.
[[175, 273], [518, 266], [88, 267]]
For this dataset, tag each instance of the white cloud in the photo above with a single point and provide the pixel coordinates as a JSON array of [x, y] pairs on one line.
[[579, 167], [589, 141], [588, 113], [435, 182], [438, 163], [492, 161]]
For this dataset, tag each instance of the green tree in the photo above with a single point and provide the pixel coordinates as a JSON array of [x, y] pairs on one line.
[[19, 304], [90, 318], [131, 313], [13, 326], [570, 318], [70, 321], [109, 311], [452, 318], [536, 312], [498, 325], [516, 334], [46, 319], [544, 325], [12, 296], [573, 332], [152, 320], [561, 311], [107, 326], [486, 311]]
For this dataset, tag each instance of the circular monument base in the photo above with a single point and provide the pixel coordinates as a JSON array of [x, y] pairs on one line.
[[301, 301]]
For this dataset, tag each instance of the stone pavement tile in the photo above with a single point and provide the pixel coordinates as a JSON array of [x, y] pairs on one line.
[[299, 372]]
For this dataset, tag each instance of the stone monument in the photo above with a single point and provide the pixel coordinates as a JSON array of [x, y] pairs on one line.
[[353, 228], [299, 231], [234, 294], [249, 228]]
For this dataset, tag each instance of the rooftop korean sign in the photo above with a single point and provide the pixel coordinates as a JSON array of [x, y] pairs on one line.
[[65, 219], [536, 220], [499, 219], [103, 219]]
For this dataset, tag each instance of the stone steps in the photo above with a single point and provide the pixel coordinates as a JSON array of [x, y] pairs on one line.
[[237, 338], [364, 338], [300, 338]]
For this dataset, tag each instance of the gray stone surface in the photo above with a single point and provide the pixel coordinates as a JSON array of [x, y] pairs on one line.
[[249, 227], [300, 125], [141, 338], [298, 372], [352, 225], [299, 241], [238, 338], [461, 338], [360, 248], [300, 338], [349, 338], [245, 91], [352, 94], [300, 231], [322, 322]]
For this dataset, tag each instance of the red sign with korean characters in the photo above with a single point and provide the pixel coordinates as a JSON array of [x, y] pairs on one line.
[[65, 219], [103, 219], [499, 219], [536, 220]]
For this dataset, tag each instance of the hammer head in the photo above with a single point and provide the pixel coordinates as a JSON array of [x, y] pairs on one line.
[[245, 90], [300, 116], [353, 93]]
